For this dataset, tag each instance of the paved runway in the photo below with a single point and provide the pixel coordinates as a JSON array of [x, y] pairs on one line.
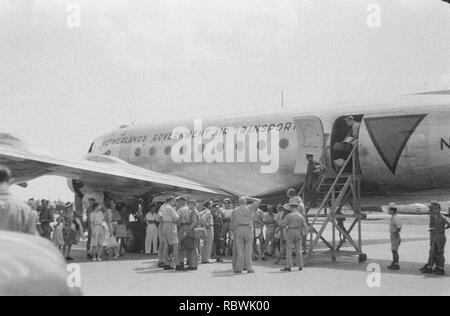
[[137, 274]]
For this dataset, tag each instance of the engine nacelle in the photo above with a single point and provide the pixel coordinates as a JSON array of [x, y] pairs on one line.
[[84, 192]]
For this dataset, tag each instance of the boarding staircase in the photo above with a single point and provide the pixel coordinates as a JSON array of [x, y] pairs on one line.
[[340, 199]]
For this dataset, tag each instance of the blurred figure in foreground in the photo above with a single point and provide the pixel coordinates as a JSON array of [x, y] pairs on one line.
[[15, 215], [37, 270]]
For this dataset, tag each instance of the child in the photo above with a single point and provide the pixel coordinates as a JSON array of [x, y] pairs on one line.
[[106, 236], [113, 248], [58, 236], [394, 228]]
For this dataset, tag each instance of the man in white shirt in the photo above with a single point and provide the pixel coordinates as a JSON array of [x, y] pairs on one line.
[[151, 236], [242, 227], [169, 233]]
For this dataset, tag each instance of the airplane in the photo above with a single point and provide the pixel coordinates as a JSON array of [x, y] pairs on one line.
[[404, 154]]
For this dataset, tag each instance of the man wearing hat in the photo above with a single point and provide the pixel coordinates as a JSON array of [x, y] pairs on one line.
[[46, 217], [438, 226], [227, 211], [70, 231], [313, 174], [218, 242], [296, 227], [183, 223], [188, 240], [242, 220], [280, 234], [394, 229]]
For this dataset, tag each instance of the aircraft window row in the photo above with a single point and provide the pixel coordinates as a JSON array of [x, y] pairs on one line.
[[284, 144]]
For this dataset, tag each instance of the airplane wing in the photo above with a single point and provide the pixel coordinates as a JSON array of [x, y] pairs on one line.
[[100, 172]]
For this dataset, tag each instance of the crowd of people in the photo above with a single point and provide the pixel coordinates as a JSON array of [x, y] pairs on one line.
[[59, 223], [64, 226], [184, 232]]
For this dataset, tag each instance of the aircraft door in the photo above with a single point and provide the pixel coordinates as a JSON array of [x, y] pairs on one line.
[[310, 139]]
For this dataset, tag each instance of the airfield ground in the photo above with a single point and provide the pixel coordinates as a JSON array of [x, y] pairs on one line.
[[136, 274]]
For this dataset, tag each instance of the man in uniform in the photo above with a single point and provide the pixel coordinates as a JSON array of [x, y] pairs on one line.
[[183, 223], [169, 233], [279, 236], [313, 173], [296, 227], [207, 221], [190, 253], [227, 211], [438, 226], [394, 229], [269, 224], [218, 228], [15, 216], [46, 217], [161, 246], [242, 220]]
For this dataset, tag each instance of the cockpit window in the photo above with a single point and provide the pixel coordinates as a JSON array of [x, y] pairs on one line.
[[91, 148]]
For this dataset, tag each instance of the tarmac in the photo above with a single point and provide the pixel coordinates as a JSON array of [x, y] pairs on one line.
[[137, 274]]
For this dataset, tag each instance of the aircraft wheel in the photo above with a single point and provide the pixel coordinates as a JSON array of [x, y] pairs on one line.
[[130, 241], [362, 258]]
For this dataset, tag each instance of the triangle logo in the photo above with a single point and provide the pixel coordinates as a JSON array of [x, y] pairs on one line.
[[391, 134]]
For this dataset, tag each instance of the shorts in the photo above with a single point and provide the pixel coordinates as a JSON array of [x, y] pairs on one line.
[[258, 233], [395, 243], [97, 236], [169, 234]]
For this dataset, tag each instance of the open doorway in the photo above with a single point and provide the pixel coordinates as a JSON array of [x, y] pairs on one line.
[[344, 136]]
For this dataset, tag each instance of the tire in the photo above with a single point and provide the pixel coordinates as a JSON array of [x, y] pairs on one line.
[[362, 258], [135, 241]]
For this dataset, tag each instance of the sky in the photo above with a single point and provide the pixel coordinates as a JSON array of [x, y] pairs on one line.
[[150, 60]]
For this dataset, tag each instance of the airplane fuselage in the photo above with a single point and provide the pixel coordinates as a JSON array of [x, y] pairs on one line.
[[404, 145]]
